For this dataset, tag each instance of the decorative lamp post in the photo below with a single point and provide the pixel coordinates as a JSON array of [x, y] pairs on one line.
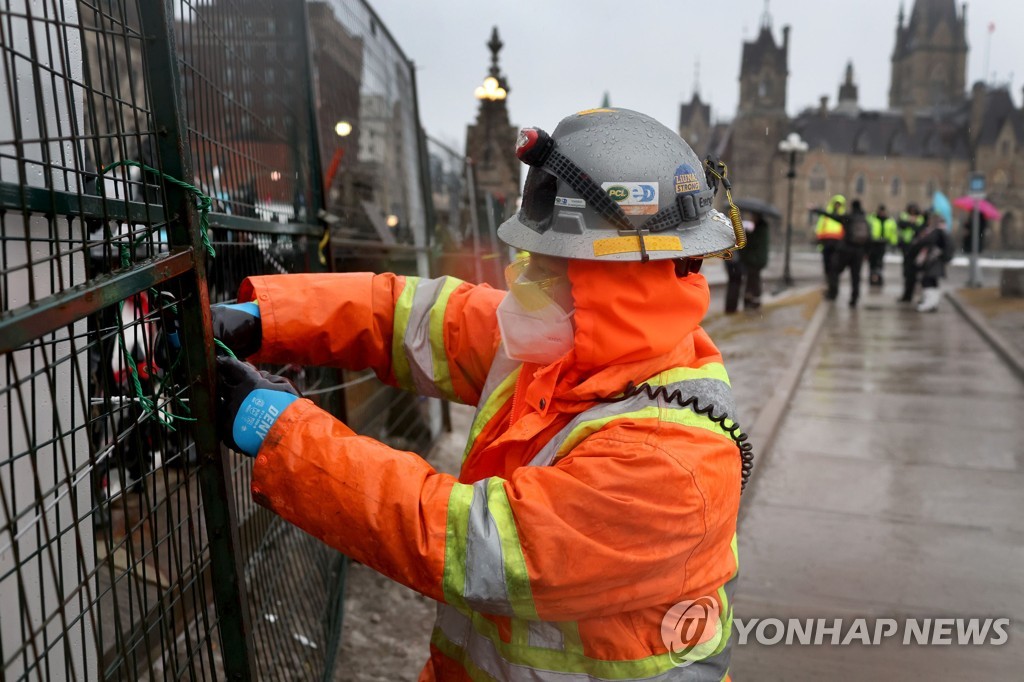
[[491, 90], [792, 145]]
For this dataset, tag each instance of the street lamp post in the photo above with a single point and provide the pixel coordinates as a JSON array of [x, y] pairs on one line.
[[792, 145], [976, 183], [342, 129]]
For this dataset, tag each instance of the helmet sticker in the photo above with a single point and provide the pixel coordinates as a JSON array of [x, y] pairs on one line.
[[686, 179], [570, 202], [635, 198], [586, 112]]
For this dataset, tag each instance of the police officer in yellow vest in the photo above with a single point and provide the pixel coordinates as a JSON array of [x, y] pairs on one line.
[[910, 221], [830, 232], [883, 234]]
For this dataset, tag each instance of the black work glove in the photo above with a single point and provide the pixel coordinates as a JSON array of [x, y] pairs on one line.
[[249, 401], [238, 326]]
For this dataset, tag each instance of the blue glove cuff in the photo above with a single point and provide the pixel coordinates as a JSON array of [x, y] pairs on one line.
[[250, 308], [257, 414]]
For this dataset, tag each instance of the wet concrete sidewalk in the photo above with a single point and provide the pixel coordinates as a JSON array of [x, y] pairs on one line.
[[895, 490]]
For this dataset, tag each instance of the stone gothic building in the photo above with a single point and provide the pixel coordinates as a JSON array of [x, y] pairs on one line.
[[931, 136], [490, 141]]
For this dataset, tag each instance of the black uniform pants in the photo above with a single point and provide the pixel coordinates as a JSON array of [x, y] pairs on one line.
[[876, 262], [738, 275], [846, 257], [828, 251], [909, 276]]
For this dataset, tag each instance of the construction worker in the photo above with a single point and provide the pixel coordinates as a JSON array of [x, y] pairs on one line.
[[909, 223], [600, 485], [829, 231], [883, 235]]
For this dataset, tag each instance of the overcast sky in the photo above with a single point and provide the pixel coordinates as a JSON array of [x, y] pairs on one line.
[[562, 55]]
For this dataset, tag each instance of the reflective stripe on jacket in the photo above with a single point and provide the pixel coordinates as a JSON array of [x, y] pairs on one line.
[[908, 227], [883, 230], [575, 523]]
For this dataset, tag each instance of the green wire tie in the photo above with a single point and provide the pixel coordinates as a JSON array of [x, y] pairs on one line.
[[224, 347], [161, 414], [205, 202]]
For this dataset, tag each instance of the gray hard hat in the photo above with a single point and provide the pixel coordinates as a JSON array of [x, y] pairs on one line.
[[606, 176]]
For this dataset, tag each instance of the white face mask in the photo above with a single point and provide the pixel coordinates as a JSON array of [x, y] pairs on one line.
[[541, 336]]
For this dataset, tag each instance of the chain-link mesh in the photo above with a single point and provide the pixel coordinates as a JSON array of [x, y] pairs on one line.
[[129, 546]]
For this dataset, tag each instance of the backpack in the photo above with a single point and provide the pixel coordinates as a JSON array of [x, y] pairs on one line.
[[858, 232]]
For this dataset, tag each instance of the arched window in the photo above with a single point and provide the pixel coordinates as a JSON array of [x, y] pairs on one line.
[[896, 186], [816, 183], [858, 186], [861, 144], [897, 144], [938, 86]]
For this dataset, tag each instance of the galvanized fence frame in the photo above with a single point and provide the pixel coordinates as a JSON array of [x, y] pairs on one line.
[[211, 541]]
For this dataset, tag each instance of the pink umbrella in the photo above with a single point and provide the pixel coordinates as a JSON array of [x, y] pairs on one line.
[[984, 207]]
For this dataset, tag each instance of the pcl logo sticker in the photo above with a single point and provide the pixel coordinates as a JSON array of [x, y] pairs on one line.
[[686, 179], [635, 198], [618, 193]]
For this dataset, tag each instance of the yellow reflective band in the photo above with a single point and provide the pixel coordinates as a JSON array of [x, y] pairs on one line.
[[572, 643], [683, 417], [442, 374], [517, 579], [712, 370], [612, 245], [587, 112], [559, 663], [498, 397], [403, 308], [456, 532]]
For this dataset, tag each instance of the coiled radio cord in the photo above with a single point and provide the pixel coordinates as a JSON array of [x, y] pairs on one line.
[[676, 396]]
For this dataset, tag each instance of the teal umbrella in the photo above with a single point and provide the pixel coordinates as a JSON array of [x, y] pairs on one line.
[[941, 205]]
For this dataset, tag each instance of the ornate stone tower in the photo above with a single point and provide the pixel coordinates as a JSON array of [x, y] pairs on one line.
[[491, 141], [761, 121], [929, 62], [848, 94], [695, 119]]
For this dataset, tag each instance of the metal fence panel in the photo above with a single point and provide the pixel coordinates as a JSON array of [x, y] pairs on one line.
[[129, 545]]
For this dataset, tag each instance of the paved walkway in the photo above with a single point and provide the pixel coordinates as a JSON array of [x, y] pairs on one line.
[[895, 490]]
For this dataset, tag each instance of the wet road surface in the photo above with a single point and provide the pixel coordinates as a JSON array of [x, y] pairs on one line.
[[895, 490]]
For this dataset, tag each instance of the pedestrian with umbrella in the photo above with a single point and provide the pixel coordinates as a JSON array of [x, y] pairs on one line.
[[744, 268], [986, 212]]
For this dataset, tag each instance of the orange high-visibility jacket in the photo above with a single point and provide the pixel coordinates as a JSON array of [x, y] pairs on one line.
[[574, 524]]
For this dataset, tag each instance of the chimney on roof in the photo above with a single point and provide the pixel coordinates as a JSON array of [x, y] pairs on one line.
[[823, 105]]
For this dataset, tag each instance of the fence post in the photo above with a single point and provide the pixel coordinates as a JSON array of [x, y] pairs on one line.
[[165, 96]]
